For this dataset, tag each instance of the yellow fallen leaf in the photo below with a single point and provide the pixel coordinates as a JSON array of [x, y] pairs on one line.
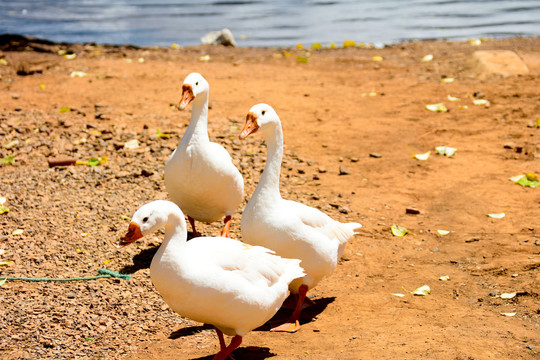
[[42, 86], [5, 262], [439, 107], [107, 261], [140, 60], [475, 42], [443, 232], [349, 43], [497, 215], [332, 45], [481, 102], [175, 46], [508, 314], [316, 46], [2, 200], [508, 295], [205, 58], [85, 234], [447, 80], [377, 58], [398, 230], [3, 62], [423, 156], [427, 58], [452, 98], [17, 232], [2, 282], [80, 251], [2, 252], [398, 295], [70, 56], [444, 278], [422, 291], [79, 74]]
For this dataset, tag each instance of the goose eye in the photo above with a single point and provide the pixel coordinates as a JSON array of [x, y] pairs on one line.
[[263, 112], [145, 219], [197, 83]]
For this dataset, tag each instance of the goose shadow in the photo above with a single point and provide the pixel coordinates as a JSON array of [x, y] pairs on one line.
[[245, 353], [242, 353], [143, 259], [307, 315]]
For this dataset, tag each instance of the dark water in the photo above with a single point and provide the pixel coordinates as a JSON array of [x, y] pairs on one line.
[[267, 23]]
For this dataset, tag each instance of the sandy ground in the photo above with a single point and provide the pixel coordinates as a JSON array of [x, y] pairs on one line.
[[340, 109]]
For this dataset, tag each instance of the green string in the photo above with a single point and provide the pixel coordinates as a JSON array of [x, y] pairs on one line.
[[103, 273]]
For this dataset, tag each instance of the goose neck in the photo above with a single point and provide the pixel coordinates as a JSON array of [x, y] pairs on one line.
[[269, 182], [197, 130]]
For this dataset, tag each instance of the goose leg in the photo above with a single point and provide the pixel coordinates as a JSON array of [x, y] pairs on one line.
[[219, 333], [192, 222], [293, 324], [224, 353], [227, 224]]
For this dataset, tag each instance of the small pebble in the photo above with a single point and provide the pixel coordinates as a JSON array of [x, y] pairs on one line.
[[316, 177], [18, 108], [354, 159], [301, 171], [343, 170], [412, 210], [321, 170], [15, 96], [375, 155]]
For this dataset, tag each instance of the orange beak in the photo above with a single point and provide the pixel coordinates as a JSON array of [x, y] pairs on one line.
[[187, 96], [250, 126], [134, 233]]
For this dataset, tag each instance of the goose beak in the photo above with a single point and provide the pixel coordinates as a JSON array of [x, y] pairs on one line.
[[250, 126], [187, 96], [134, 233]]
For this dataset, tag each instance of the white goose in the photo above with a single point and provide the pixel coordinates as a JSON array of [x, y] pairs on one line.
[[291, 229], [200, 176], [214, 280]]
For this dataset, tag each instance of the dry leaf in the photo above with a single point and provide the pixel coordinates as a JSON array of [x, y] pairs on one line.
[[205, 58], [452, 98], [79, 74], [446, 150], [427, 58], [439, 107], [475, 42], [422, 291], [5, 262], [508, 314], [17, 232], [398, 295], [447, 80], [444, 278], [398, 230], [2, 252], [377, 58], [2, 282], [481, 102], [443, 232], [497, 215], [423, 156], [2, 200]]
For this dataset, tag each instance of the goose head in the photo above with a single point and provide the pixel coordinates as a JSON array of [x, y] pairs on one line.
[[147, 220], [194, 84], [260, 116]]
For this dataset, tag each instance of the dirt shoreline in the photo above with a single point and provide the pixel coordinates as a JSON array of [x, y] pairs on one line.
[[352, 120]]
